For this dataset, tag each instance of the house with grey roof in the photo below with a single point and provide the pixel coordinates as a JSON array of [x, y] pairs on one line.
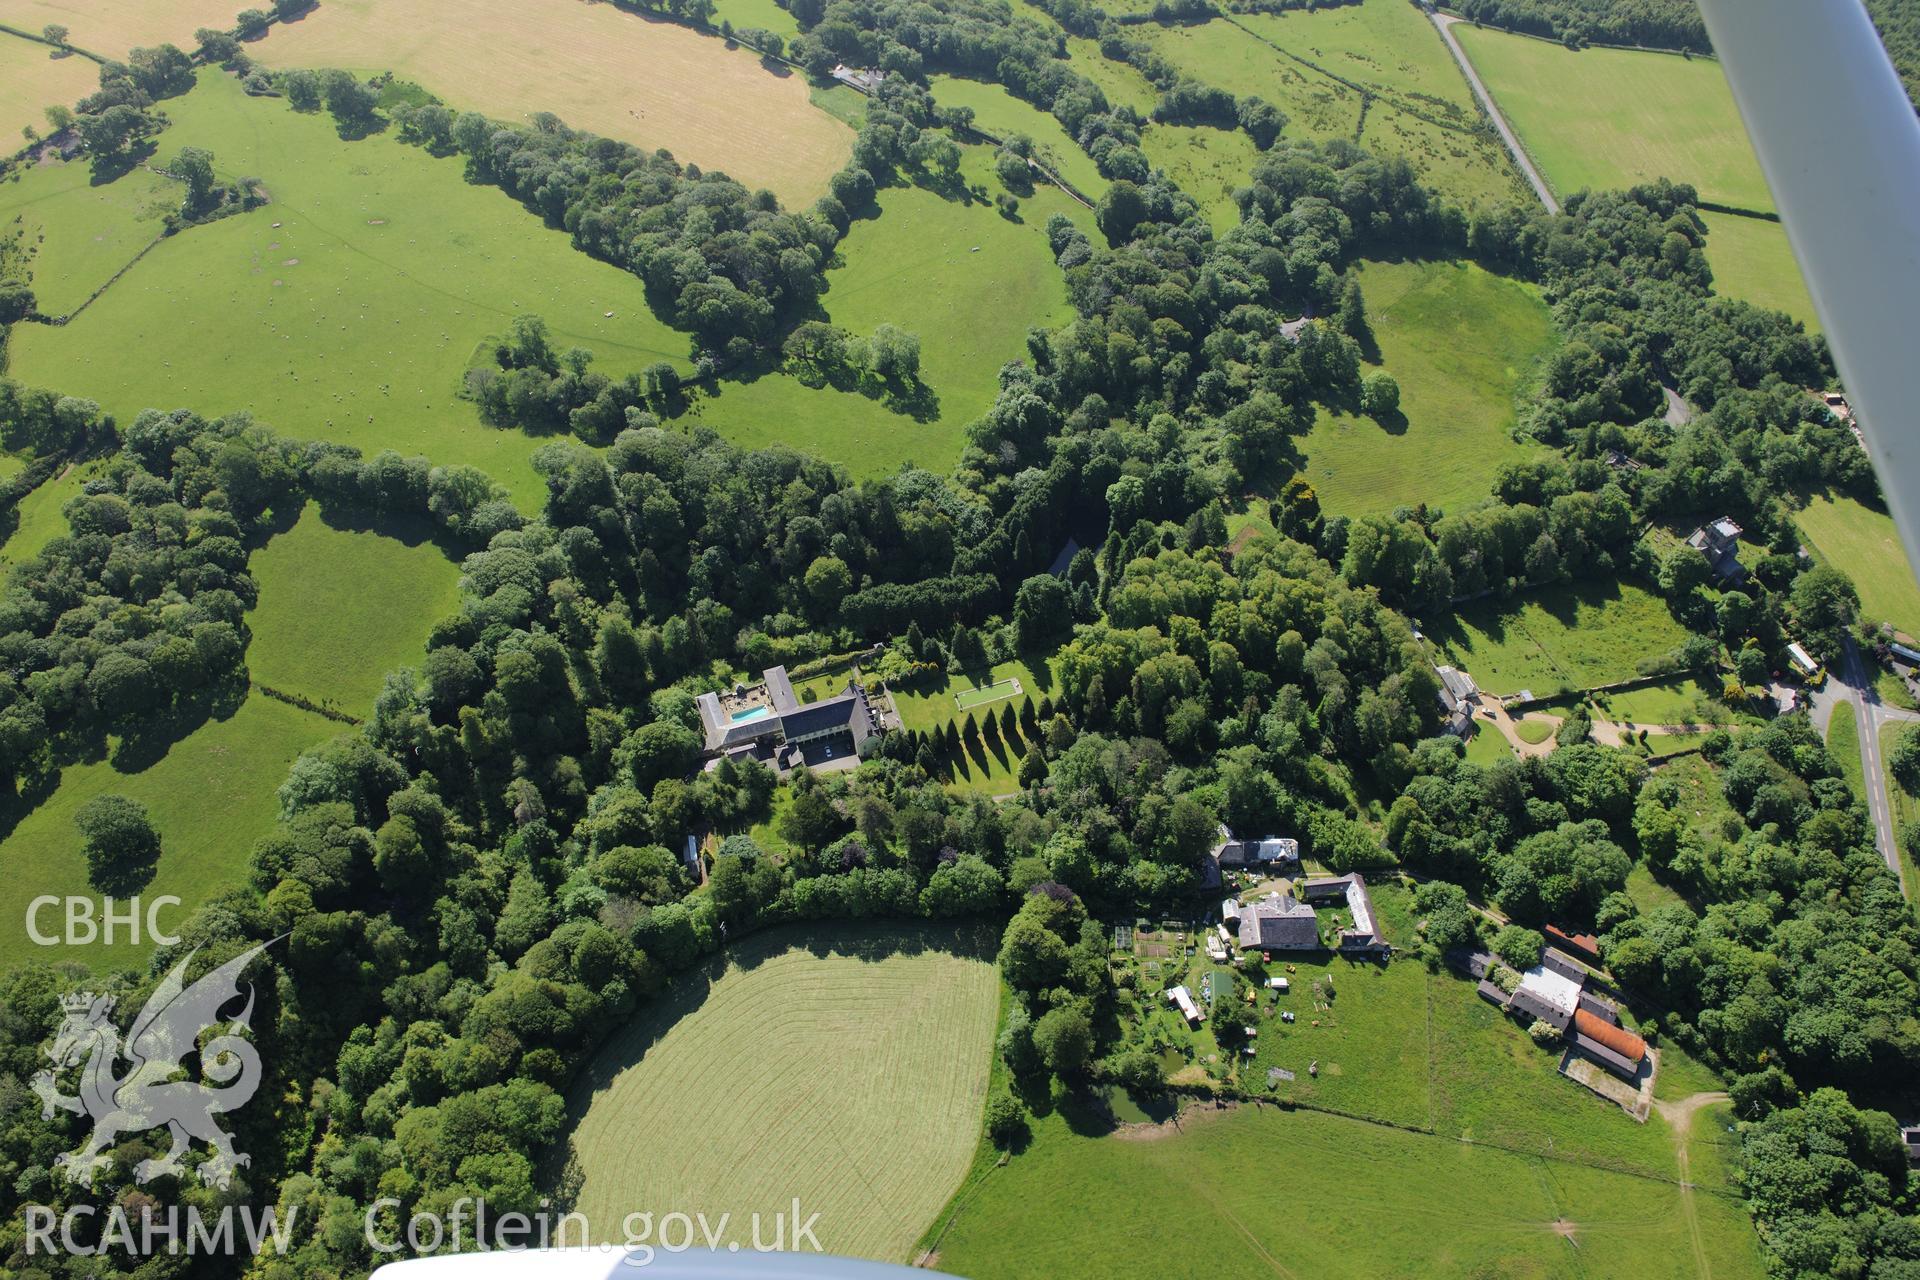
[[1278, 922], [1719, 542], [768, 723], [1364, 933], [1230, 853]]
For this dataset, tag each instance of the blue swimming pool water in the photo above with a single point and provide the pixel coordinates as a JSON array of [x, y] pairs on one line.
[[751, 713]]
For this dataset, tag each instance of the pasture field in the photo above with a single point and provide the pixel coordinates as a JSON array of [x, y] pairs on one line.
[[38, 516], [969, 282], [112, 28], [764, 14], [1208, 164], [618, 74], [32, 79], [1000, 113], [1752, 261], [1462, 343], [1864, 543], [1120, 81], [355, 317], [210, 795], [1613, 117], [1223, 1195], [1386, 45], [78, 234], [1464, 165], [791, 1066], [1221, 54], [1557, 639], [341, 607]]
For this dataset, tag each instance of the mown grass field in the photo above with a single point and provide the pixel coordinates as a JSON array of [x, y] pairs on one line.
[[1208, 164], [211, 796], [1561, 638], [1865, 545], [38, 517], [1384, 44], [1613, 117], [990, 766], [846, 1066], [353, 319], [32, 79], [341, 607], [764, 14], [1001, 114], [78, 234], [1462, 343], [111, 28], [1120, 81], [1263, 1192], [618, 74], [1752, 261]]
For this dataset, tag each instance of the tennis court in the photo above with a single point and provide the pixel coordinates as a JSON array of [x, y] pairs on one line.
[[968, 699]]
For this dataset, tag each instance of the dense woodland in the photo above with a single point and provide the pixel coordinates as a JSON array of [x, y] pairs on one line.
[[478, 885]]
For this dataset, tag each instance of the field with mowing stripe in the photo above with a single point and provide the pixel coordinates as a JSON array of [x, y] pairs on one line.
[[1613, 117], [341, 607], [210, 794], [1863, 542], [78, 234], [1574, 637], [1752, 261], [846, 1066], [651, 83], [1223, 1195], [1462, 343], [32, 79], [1386, 45], [111, 28]]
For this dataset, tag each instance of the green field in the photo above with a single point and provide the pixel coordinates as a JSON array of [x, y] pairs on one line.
[[969, 282], [992, 766], [32, 79], [786, 1069], [1263, 1192], [1221, 54], [341, 607], [1613, 117], [1208, 164], [1905, 806], [1462, 343], [1487, 746], [1120, 81], [39, 518], [1843, 739], [79, 234], [211, 795], [1559, 638], [1752, 261], [1000, 113], [1865, 544], [1387, 45]]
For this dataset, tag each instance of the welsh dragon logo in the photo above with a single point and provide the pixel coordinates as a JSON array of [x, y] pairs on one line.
[[149, 1096]]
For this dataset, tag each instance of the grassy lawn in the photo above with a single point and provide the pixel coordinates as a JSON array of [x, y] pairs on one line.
[[652, 83], [1670, 702], [32, 79], [1843, 739], [1613, 117], [1752, 261], [1206, 163], [211, 795], [852, 1029], [1864, 543], [991, 765], [1533, 730], [1001, 114], [1462, 343], [340, 608], [39, 515], [1487, 746], [764, 14], [79, 234], [1120, 81], [1649, 894], [1906, 807], [1568, 637], [1228, 1194]]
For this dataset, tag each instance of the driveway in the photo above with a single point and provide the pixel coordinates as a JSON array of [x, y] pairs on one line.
[[1848, 681], [1540, 188]]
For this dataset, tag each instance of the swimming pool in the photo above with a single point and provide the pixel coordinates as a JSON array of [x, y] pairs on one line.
[[751, 713]]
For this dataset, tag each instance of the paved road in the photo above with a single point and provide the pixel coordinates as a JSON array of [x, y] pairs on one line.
[[1540, 187], [1848, 681]]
